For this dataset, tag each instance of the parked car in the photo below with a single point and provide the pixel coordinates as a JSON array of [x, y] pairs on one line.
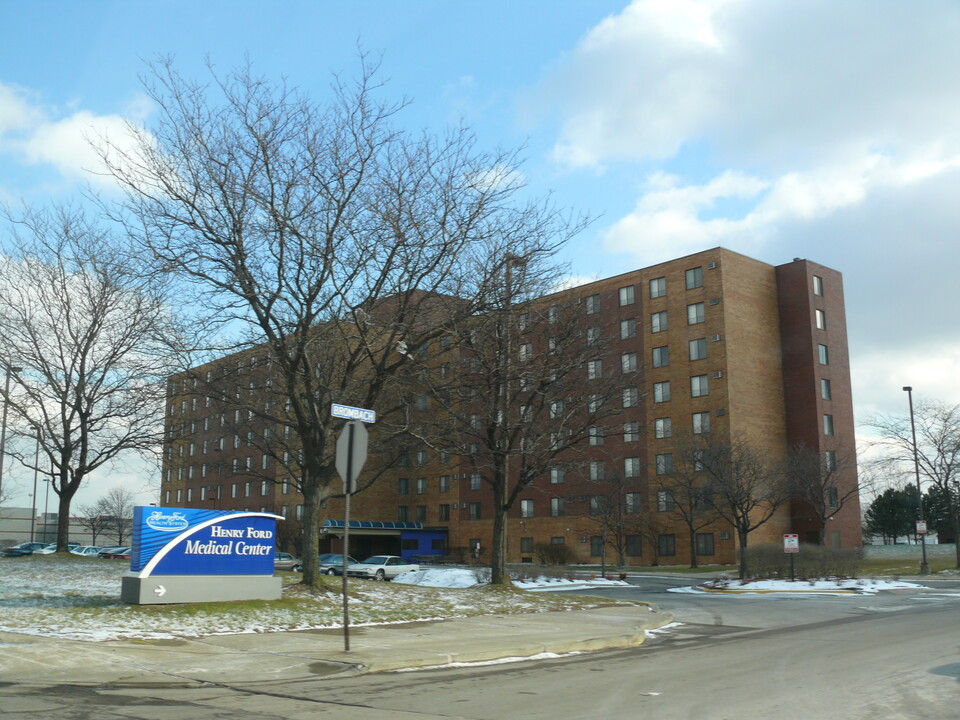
[[85, 550], [115, 553], [46, 549], [24, 548], [284, 561], [329, 564], [381, 567]]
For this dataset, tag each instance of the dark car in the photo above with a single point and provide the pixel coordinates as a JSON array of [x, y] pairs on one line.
[[330, 564], [24, 548], [121, 552]]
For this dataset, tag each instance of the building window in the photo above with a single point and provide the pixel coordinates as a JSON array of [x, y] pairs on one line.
[[523, 322], [699, 386], [830, 460], [556, 409], [701, 423], [421, 486], [235, 490], [264, 488], [421, 513], [526, 508], [526, 544], [631, 397], [402, 513], [596, 470], [828, 424], [558, 540], [593, 337], [667, 545], [595, 435], [593, 304], [664, 464], [662, 428], [631, 467], [661, 391], [694, 277], [705, 545], [475, 481], [631, 432], [664, 501], [594, 369], [628, 329], [444, 483], [403, 486], [558, 507], [247, 489], [473, 511], [626, 295], [443, 513], [698, 349], [821, 320], [556, 475], [658, 322], [421, 457], [298, 512], [553, 313], [658, 287], [632, 503], [525, 352], [825, 390], [695, 313], [824, 354], [634, 545], [596, 545], [661, 356], [818, 285], [833, 497], [598, 504], [628, 362]]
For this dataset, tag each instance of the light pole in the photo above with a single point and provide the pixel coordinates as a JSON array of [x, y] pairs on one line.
[[10, 369], [36, 472], [924, 567]]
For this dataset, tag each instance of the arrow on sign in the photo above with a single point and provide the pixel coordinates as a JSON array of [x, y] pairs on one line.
[[160, 590]]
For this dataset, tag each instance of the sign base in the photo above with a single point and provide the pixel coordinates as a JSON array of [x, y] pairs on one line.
[[173, 589]]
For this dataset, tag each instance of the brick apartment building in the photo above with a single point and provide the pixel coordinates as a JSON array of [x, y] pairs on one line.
[[713, 343]]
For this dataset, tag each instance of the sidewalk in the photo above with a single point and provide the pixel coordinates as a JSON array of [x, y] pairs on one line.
[[282, 657]]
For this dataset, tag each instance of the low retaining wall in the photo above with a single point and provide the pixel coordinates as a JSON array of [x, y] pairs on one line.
[[881, 551]]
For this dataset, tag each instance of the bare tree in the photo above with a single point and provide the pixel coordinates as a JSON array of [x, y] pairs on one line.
[[320, 238], [616, 514], [689, 491], [747, 488], [518, 392], [117, 507], [937, 451], [824, 483], [90, 334], [91, 518]]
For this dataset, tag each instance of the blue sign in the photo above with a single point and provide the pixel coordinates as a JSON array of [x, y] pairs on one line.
[[189, 541], [353, 413]]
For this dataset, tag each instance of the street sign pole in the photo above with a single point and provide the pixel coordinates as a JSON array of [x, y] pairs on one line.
[[351, 455], [348, 490]]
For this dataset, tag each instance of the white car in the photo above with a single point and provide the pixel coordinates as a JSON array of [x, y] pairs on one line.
[[381, 567], [86, 550]]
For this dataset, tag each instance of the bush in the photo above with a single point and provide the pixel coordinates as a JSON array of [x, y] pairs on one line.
[[549, 554], [813, 561]]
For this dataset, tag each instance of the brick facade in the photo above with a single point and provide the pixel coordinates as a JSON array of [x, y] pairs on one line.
[[737, 341]]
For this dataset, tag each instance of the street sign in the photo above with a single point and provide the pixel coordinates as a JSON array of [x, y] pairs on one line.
[[921, 527], [351, 453], [353, 413], [791, 543]]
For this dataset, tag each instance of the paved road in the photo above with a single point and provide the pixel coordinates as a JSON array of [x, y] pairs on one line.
[[886, 657]]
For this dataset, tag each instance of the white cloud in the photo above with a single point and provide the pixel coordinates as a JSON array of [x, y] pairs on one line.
[[39, 137], [774, 84]]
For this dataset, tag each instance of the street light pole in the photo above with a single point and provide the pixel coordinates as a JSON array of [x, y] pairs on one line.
[[10, 369], [924, 567]]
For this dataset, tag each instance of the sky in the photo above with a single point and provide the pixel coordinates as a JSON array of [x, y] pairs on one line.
[[797, 128]]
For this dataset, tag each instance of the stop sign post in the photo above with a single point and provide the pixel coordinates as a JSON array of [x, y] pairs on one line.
[[351, 455], [791, 546]]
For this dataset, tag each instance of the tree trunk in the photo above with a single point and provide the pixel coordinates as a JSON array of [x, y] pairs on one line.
[[744, 569], [63, 520], [693, 548], [498, 559], [311, 533]]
